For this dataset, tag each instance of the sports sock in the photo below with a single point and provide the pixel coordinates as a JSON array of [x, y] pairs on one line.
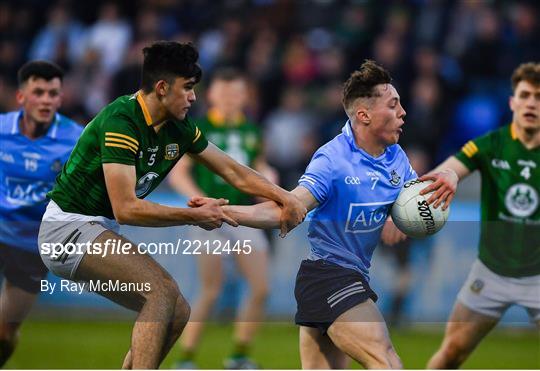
[[187, 355], [240, 350]]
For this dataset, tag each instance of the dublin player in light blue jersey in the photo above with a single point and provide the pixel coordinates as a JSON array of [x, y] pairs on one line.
[[36, 141], [351, 184]]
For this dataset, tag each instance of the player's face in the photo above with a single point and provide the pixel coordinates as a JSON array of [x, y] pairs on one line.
[[386, 115], [229, 97], [179, 97], [525, 103], [40, 99]]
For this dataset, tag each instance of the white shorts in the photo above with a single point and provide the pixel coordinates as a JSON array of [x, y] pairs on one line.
[[231, 235], [58, 226], [490, 294]]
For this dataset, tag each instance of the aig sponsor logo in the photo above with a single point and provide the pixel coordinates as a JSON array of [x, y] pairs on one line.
[[25, 192], [352, 180], [366, 217]]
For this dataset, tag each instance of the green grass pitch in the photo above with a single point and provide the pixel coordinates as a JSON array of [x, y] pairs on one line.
[[71, 344]]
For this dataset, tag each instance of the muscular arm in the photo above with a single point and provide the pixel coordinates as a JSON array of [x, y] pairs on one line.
[[251, 182], [128, 209], [266, 215]]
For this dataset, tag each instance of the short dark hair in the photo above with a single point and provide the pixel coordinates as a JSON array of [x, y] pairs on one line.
[[40, 69], [529, 72], [361, 83], [166, 60], [228, 74]]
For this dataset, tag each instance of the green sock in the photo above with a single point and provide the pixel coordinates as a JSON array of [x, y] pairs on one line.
[[187, 355], [240, 350]]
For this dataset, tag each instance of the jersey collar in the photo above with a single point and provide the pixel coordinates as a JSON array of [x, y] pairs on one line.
[[144, 108], [349, 135], [218, 120], [51, 132], [513, 132]]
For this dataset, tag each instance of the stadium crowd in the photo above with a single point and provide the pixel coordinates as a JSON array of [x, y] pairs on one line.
[[450, 60]]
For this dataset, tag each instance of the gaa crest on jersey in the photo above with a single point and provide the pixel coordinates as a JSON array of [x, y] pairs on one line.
[[521, 200], [56, 166], [171, 151], [477, 286], [395, 179], [145, 183]]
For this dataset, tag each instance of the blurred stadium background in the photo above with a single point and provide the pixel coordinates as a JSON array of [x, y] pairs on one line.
[[451, 62]]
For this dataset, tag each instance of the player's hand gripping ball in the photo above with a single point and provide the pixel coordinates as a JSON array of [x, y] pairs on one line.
[[413, 215]]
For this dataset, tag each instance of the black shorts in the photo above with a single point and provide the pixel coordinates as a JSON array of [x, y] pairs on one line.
[[324, 291], [22, 268]]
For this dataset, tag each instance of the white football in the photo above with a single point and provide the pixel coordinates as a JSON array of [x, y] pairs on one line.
[[412, 214]]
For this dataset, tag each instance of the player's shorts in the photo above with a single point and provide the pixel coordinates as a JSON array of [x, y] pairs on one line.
[[229, 235], [324, 291], [490, 294], [58, 226], [22, 269]]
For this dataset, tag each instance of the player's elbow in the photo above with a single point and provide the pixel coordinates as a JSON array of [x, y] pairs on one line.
[[126, 212], [122, 217]]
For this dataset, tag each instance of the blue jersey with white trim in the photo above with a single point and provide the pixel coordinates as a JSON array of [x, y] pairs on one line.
[[28, 169], [355, 192]]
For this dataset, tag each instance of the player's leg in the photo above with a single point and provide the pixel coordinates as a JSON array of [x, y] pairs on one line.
[[464, 330], [318, 352], [340, 302], [254, 268], [175, 329], [481, 302], [156, 325], [361, 333], [15, 304], [211, 280], [23, 272]]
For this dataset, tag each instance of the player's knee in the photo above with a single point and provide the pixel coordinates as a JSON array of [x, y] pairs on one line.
[[383, 356], [165, 290]]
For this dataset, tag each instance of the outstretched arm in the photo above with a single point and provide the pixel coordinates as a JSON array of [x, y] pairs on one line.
[[267, 215], [251, 182], [128, 209]]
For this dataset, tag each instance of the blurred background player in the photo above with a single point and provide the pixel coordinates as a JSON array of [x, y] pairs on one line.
[[36, 142], [227, 126], [507, 270]]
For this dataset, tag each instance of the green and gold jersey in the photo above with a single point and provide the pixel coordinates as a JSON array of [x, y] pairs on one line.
[[240, 140], [121, 133], [510, 231]]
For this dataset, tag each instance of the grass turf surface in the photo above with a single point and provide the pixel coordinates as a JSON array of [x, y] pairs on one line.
[[103, 344]]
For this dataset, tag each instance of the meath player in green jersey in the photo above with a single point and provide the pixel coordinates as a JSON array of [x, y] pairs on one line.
[[122, 155], [507, 270], [226, 125]]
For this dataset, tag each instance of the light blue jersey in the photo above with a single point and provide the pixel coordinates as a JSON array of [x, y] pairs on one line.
[[355, 192], [28, 169]]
